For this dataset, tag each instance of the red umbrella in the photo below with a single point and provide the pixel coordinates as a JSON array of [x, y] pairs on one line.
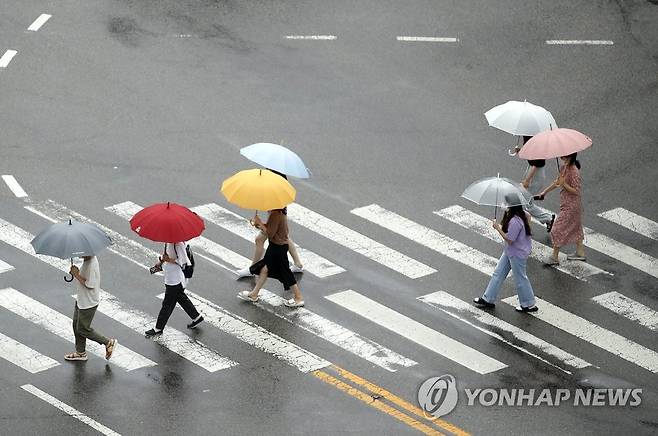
[[167, 222], [554, 143]]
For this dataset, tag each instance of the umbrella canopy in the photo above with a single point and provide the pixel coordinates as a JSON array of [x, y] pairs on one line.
[[70, 239], [258, 190], [497, 191], [167, 222], [555, 143], [276, 157], [520, 118]]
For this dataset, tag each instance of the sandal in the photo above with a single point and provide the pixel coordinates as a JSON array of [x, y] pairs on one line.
[[76, 356], [575, 256], [293, 303], [109, 348], [244, 295], [550, 260]]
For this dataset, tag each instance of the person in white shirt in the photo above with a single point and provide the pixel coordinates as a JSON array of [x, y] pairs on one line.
[[172, 262], [88, 283]]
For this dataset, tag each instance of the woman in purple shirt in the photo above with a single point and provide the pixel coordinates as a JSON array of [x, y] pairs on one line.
[[515, 230]]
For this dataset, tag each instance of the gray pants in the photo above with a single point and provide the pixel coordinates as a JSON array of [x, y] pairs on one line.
[[537, 213], [82, 328]]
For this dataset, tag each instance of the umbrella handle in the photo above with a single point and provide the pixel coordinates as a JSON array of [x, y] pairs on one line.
[[68, 280]]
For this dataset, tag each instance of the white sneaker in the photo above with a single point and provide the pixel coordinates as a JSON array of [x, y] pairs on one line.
[[296, 269], [243, 273]]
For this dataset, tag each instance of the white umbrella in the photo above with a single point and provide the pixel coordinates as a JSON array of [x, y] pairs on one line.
[[498, 192], [276, 157], [520, 118]]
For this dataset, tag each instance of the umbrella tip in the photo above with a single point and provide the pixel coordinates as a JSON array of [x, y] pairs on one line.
[[260, 172], [70, 222], [167, 205]]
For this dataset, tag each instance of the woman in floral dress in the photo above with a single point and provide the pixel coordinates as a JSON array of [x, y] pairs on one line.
[[568, 227]]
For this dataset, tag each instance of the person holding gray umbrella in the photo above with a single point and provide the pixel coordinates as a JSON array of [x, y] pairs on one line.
[[75, 239], [515, 231]]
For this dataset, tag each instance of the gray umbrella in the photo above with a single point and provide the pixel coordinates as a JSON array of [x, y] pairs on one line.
[[70, 239], [498, 192]]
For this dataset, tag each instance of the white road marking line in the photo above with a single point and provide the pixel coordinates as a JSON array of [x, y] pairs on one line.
[[14, 185], [632, 221], [579, 42], [257, 336], [426, 39], [346, 237], [7, 57], [629, 308], [39, 22], [416, 332], [69, 410], [5, 267], [24, 356], [621, 252], [61, 325], [334, 333], [234, 223], [457, 308], [128, 209], [594, 334], [124, 247], [481, 225], [172, 339], [429, 238], [312, 37]]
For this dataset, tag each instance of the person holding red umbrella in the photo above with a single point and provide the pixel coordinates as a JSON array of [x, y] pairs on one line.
[[172, 224]]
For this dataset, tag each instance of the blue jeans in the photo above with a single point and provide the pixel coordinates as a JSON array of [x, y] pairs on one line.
[[523, 286]]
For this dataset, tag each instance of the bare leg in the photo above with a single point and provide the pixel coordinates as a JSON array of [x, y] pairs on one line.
[[297, 293], [293, 253], [260, 247], [260, 281], [556, 252], [580, 249]]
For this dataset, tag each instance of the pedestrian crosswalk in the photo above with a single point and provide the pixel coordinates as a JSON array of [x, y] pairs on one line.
[[352, 304]]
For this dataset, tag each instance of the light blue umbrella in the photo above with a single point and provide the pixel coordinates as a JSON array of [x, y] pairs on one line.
[[70, 239], [276, 157]]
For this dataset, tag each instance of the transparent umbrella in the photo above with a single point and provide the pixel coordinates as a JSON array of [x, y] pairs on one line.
[[498, 192]]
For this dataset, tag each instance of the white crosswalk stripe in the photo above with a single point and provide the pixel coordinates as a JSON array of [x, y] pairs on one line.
[[128, 209], [5, 267], [632, 221], [230, 323], [482, 226], [256, 336], [172, 339], [594, 334], [429, 238], [621, 252], [416, 332], [361, 244], [496, 327], [234, 223], [334, 333], [69, 410], [629, 308], [61, 325], [24, 356]]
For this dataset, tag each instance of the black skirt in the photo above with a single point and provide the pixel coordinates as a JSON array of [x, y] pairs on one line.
[[276, 259]]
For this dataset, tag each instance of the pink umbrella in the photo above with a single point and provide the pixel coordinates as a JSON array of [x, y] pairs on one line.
[[554, 143]]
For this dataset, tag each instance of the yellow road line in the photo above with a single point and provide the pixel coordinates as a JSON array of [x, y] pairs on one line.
[[398, 401], [350, 390]]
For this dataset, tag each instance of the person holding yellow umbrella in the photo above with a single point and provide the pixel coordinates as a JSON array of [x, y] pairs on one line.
[[263, 190]]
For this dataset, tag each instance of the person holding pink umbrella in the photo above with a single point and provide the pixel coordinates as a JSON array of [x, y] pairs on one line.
[[568, 227]]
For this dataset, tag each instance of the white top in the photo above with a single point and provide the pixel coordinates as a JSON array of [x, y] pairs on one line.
[[173, 272], [89, 294]]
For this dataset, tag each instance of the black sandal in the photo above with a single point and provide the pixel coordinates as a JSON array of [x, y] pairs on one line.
[[526, 309], [481, 302]]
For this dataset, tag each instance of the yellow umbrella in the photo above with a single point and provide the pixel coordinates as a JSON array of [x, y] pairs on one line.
[[258, 190]]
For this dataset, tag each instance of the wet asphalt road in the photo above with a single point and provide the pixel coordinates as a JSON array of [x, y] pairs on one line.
[[113, 101]]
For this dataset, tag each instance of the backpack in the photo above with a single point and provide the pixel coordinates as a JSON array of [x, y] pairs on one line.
[[188, 268]]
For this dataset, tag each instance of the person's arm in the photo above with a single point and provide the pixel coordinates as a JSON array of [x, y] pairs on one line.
[[75, 272], [556, 183], [165, 257], [512, 234], [273, 223]]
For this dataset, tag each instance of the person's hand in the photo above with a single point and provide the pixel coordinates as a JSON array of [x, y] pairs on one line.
[[495, 224], [559, 181], [165, 258], [525, 184], [74, 270]]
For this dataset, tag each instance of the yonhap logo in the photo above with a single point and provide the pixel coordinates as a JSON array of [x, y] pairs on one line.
[[438, 395]]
